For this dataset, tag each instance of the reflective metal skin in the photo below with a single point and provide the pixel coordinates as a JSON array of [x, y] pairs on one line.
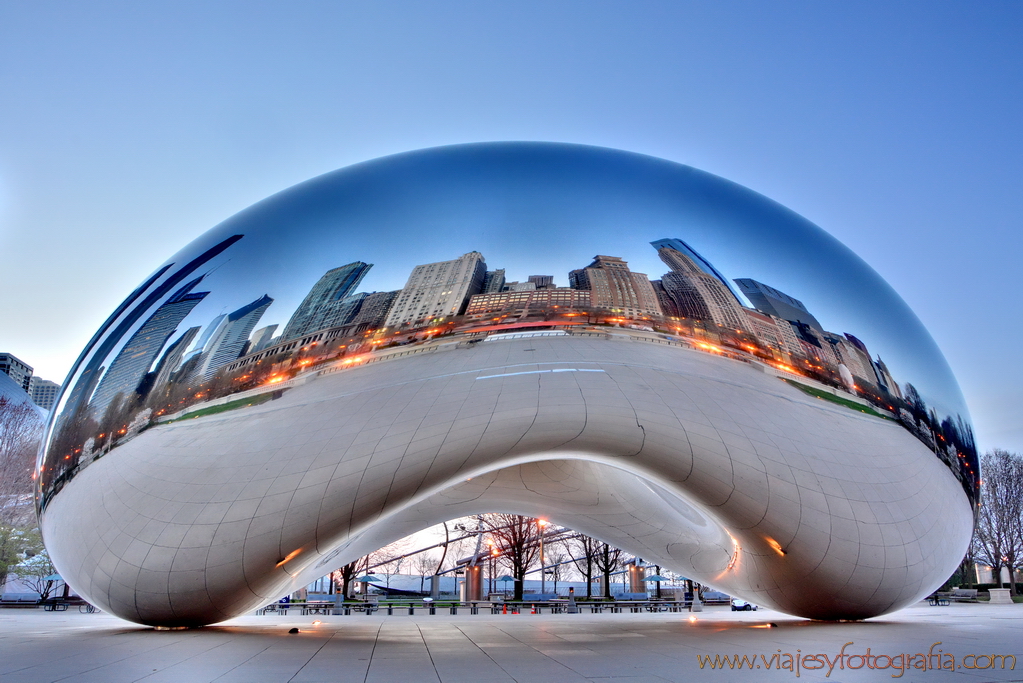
[[629, 347]]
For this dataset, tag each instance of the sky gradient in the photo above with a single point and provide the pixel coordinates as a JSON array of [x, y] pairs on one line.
[[127, 130]]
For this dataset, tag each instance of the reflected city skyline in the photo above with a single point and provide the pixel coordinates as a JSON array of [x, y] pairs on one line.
[[335, 326]]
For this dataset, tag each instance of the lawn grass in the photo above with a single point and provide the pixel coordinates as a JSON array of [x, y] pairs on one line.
[[836, 399], [224, 407]]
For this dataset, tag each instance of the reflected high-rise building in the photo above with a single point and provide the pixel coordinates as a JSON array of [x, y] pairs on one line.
[[542, 281], [374, 308], [173, 356], [438, 290], [136, 357], [493, 282], [777, 303], [320, 308], [699, 294], [232, 334], [261, 338], [613, 286], [697, 260]]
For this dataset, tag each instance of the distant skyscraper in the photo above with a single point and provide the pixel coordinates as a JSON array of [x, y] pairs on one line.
[[43, 392], [17, 370], [320, 306], [375, 308], [229, 341], [493, 282], [438, 290], [697, 260], [542, 281], [136, 357], [613, 286], [770, 300], [519, 287], [699, 294], [172, 357], [261, 338], [127, 314]]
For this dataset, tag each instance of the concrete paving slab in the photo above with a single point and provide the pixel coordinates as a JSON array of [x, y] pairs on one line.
[[962, 642]]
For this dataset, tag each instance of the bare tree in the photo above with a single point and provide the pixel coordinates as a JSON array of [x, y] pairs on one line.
[[555, 559], [20, 433], [423, 564], [584, 556], [998, 540], [608, 559], [517, 538]]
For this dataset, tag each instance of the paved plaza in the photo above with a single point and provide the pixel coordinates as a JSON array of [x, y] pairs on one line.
[[37, 646]]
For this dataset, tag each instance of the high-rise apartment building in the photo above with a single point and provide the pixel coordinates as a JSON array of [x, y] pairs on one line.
[[324, 303], [777, 303], [613, 286], [698, 294], [18, 370], [43, 392], [374, 309], [173, 356], [261, 338], [542, 281], [438, 290], [493, 281], [697, 260], [229, 341], [134, 360]]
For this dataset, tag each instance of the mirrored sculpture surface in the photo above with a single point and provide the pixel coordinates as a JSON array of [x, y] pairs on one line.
[[627, 346]]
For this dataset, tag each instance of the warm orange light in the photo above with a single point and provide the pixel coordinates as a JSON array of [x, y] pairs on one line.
[[290, 556], [775, 545]]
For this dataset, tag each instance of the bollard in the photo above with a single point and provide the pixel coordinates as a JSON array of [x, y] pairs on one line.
[[433, 608], [411, 609], [454, 609], [390, 609]]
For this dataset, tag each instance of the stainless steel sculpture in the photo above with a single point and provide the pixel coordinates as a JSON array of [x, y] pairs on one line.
[[723, 389]]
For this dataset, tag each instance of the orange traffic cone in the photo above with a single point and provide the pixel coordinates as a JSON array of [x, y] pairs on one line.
[[505, 609], [533, 611]]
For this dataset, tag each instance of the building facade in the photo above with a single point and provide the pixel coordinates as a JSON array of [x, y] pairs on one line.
[[18, 370], [321, 305], [438, 290], [520, 304], [698, 294], [43, 392], [614, 287]]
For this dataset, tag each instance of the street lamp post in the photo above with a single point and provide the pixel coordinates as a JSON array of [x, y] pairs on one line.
[[542, 523]]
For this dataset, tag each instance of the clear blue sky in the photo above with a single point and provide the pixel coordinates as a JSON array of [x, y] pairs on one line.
[[127, 129]]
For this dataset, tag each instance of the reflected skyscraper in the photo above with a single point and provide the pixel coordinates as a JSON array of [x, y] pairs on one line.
[[438, 290], [697, 260], [374, 309], [136, 357], [229, 341], [320, 308], [698, 294], [777, 303], [261, 338], [614, 287], [494, 281], [173, 356]]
